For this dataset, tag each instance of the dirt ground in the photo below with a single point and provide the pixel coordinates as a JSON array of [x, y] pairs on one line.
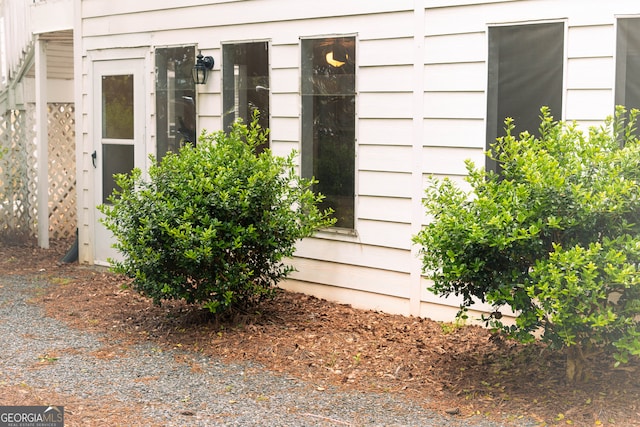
[[457, 370]]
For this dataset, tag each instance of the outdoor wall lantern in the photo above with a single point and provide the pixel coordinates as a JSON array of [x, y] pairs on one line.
[[203, 64]]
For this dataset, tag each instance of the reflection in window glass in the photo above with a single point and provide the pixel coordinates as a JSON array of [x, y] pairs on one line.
[[117, 107], [116, 159], [175, 98], [246, 83], [628, 64], [328, 122], [525, 74]]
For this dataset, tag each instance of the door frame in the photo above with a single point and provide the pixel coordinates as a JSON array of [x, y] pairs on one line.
[[136, 62]]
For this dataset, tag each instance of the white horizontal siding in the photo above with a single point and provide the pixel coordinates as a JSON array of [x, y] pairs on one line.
[[286, 56], [327, 17], [455, 132], [391, 184], [283, 148], [384, 158], [465, 76], [285, 128], [406, 129], [593, 104], [393, 52], [385, 105], [357, 299], [285, 80], [455, 48], [286, 104], [450, 160], [351, 277], [591, 41], [386, 234], [461, 105], [385, 209], [385, 79], [353, 253], [590, 73], [385, 131]]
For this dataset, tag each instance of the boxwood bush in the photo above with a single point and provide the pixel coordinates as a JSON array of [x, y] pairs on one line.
[[215, 223], [554, 236]]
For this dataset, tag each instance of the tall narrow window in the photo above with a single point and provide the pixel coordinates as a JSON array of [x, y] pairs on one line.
[[245, 83], [117, 129], [628, 63], [525, 74], [328, 122], [175, 98]]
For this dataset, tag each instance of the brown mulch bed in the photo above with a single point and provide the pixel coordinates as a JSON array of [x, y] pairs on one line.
[[456, 369]]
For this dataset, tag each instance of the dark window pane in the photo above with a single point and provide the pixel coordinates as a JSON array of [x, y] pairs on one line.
[[628, 64], [117, 107], [525, 74], [175, 98], [245, 83], [116, 159], [328, 122]]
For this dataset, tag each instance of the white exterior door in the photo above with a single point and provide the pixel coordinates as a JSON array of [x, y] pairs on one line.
[[119, 129]]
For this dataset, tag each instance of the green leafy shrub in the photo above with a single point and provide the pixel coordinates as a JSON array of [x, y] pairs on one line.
[[555, 236], [214, 223]]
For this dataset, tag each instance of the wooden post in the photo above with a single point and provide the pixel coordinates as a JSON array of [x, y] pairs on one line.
[[42, 138]]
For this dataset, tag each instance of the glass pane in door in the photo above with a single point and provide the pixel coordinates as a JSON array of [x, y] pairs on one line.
[[116, 159], [117, 129], [117, 107]]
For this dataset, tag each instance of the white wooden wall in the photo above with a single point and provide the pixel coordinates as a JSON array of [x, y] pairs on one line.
[[421, 107]]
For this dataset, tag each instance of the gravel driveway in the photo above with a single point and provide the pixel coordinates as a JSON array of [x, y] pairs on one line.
[[167, 388]]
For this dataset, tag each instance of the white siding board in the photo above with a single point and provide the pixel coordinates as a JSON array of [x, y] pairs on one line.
[[285, 56], [449, 160], [353, 253], [385, 158], [474, 17], [590, 73], [376, 183], [385, 131], [386, 234], [591, 41], [385, 79], [119, 7], [466, 76], [589, 104], [209, 123], [286, 105], [357, 299], [280, 148], [385, 209], [462, 105], [391, 52], [351, 277], [469, 133], [455, 48], [209, 104], [285, 128], [385, 105], [247, 12], [285, 80]]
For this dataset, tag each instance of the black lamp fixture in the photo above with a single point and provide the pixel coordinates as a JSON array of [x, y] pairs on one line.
[[203, 63]]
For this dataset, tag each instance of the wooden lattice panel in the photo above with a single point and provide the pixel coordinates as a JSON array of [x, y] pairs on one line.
[[62, 171], [15, 204], [19, 177]]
